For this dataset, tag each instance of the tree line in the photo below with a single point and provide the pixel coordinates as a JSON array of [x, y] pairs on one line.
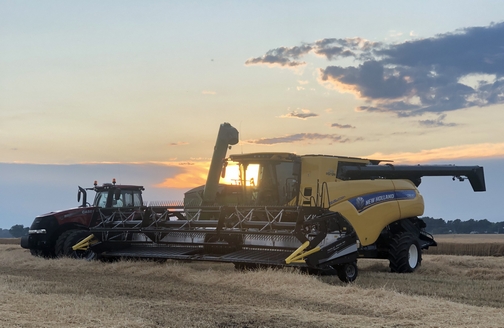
[[440, 226], [16, 231]]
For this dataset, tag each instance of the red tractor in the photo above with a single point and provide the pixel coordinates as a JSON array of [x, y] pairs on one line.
[[53, 234]]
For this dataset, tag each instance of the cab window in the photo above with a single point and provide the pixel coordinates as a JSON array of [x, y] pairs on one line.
[[101, 199]]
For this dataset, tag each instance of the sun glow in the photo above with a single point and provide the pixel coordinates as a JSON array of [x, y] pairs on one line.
[[196, 174], [233, 176], [191, 176]]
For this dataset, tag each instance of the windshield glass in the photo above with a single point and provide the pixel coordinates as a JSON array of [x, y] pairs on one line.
[[101, 199], [261, 183], [236, 175], [129, 198], [119, 198]]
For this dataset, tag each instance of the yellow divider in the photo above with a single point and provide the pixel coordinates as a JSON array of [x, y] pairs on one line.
[[83, 245], [298, 255]]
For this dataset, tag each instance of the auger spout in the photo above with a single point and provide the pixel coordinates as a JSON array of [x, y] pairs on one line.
[[226, 137]]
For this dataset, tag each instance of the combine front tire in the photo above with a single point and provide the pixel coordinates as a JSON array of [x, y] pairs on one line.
[[347, 272], [405, 254]]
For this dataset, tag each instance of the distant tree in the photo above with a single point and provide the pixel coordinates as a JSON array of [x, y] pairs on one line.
[[435, 226], [439, 226], [485, 226], [18, 230], [4, 233]]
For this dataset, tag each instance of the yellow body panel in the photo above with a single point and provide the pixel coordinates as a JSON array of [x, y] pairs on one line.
[[370, 222], [409, 207], [322, 168], [368, 205]]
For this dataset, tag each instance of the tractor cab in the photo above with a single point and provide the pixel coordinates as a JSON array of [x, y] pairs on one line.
[[110, 195]]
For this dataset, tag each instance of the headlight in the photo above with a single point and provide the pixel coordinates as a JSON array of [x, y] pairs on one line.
[[36, 232]]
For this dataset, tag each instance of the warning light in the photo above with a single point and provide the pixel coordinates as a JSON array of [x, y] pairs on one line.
[[95, 183], [113, 181]]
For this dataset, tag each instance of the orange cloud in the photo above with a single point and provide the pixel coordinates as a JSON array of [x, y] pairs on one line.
[[330, 82], [193, 175], [484, 150]]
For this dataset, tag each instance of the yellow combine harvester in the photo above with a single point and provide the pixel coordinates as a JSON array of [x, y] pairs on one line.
[[316, 212]]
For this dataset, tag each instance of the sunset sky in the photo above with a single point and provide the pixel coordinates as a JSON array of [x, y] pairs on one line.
[[136, 90]]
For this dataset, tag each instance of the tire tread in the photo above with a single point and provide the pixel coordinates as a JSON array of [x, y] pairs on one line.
[[59, 248], [399, 251]]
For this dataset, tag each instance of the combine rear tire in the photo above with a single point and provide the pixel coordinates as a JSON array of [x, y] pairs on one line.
[[405, 254], [347, 272], [75, 237]]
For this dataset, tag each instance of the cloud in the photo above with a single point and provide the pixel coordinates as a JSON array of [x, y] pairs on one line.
[[341, 48], [438, 122], [369, 109], [288, 57], [366, 81], [299, 137], [342, 126], [485, 150], [193, 174], [414, 77], [180, 143], [305, 113], [425, 75], [282, 57], [395, 34]]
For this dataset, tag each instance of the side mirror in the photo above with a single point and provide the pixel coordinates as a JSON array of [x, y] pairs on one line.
[[82, 192], [117, 194]]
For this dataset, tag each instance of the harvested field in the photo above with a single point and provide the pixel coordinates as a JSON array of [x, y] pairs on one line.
[[447, 291], [471, 238], [475, 245], [10, 241]]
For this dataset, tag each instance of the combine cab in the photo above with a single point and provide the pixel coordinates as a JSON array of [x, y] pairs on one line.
[[316, 212]]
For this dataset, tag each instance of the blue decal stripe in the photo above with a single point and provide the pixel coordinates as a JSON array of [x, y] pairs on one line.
[[363, 202]]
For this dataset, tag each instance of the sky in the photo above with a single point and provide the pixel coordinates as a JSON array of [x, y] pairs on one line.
[[136, 90]]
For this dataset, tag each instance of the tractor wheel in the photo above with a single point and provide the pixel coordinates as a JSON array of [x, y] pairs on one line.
[[75, 237], [347, 272], [59, 248], [41, 253], [405, 254], [35, 252]]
